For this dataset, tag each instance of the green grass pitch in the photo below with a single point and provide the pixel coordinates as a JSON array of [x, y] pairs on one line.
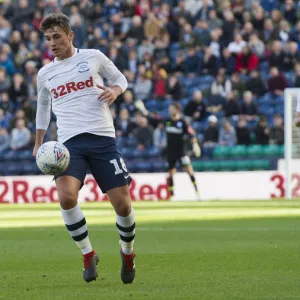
[[185, 250]]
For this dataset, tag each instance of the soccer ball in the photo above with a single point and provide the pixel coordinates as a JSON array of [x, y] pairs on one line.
[[52, 158]]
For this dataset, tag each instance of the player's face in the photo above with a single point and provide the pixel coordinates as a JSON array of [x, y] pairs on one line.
[[59, 42]]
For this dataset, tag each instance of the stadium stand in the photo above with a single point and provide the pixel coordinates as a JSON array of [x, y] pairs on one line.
[[226, 59]]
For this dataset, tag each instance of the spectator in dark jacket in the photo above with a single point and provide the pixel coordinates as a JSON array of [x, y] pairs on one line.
[[277, 131], [174, 88], [211, 134], [277, 56], [249, 109], [231, 107], [242, 132], [209, 62], [277, 82], [124, 127], [297, 75], [195, 108], [255, 84], [143, 134], [262, 132], [228, 61], [192, 62]]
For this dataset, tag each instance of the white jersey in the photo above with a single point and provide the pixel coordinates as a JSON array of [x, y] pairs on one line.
[[71, 85]]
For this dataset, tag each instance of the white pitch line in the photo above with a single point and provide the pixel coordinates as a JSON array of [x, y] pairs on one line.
[[185, 229]]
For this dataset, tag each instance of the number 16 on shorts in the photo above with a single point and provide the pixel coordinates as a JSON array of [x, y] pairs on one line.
[[119, 170]]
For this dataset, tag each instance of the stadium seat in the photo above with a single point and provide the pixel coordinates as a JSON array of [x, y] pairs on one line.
[[255, 150], [271, 150], [221, 151], [144, 166], [197, 165], [281, 150], [260, 164], [227, 165], [211, 165], [242, 165], [238, 150]]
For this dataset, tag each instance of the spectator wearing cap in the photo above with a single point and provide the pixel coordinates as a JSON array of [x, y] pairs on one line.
[[277, 82], [195, 109], [211, 134]]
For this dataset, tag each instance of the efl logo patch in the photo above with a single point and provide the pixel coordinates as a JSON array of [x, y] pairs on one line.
[[83, 67]]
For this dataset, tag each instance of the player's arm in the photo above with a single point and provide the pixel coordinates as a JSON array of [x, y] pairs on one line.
[[195, 145], [108, 70], [42, 114]]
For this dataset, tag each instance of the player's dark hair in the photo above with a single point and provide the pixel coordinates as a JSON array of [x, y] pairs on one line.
[[56, 20], [177, 106]]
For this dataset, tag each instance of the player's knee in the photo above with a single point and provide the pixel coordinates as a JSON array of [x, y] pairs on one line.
[[123, 206], [67, 199]]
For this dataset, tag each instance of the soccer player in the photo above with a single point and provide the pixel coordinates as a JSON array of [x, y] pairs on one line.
[[73, 82], [177, 129]]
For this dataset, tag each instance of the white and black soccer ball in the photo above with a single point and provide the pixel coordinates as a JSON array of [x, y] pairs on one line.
[[52, 158]]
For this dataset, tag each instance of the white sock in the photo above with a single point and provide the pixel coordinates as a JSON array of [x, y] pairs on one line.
[[76, 224], [126, 226]]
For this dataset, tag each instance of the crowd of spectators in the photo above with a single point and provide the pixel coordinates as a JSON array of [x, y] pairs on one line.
[[249, 49]]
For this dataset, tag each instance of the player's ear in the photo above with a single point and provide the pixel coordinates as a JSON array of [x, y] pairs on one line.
[[71, 36]]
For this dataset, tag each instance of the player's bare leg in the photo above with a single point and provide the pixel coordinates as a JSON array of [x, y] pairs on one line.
[[189, 169], [171, 182], [67, 189], [125, 221]]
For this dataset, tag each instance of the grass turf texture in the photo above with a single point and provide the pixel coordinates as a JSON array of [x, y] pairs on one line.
[[187, 250]]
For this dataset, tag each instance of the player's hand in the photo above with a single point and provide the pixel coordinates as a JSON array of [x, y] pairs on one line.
[[35, 149], [109, 94]]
